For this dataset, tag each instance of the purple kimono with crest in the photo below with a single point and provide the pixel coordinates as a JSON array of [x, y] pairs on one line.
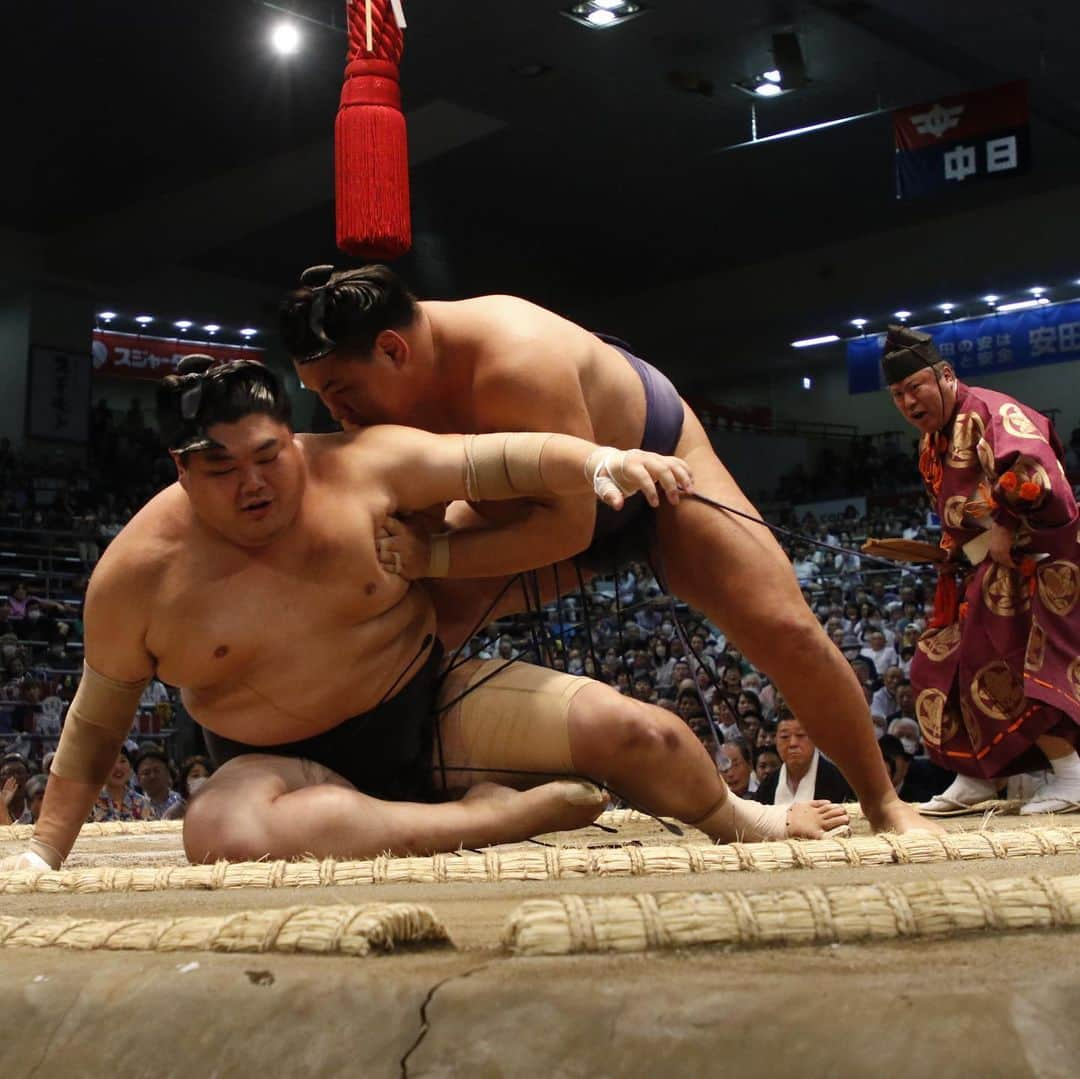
[[1005, 669]]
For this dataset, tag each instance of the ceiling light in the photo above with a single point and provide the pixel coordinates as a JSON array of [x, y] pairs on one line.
[[903, 316], [247, 331], [106, 316], [771, 76], [601, 14], [184, 324], [1023, 305], [144, 320], [285, 38], [807, 342], [858, 323], [948, 308], [1037, 291], [991, 299], [768, 89], [212, 328], [807, 382]]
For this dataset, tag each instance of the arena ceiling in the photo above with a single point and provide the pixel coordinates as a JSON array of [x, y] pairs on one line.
[[548, 159]]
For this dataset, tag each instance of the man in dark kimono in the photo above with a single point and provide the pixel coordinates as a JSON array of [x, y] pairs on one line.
[[997, 673]]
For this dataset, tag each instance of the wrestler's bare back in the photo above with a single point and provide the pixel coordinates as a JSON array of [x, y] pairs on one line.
[[279, 643], [511, 351]]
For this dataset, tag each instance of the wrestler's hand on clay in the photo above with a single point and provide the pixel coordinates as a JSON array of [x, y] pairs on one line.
[[404, 546], [1001, 542], [618, 474]]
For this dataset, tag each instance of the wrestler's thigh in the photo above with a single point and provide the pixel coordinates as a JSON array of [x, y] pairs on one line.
[[727, 566], [517, 720]]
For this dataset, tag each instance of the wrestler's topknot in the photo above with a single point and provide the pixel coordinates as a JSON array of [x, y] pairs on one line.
[[344, 309]]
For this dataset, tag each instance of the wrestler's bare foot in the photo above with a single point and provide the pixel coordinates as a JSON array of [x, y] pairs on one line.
[[504, 815], [812, 820], [900, 817]]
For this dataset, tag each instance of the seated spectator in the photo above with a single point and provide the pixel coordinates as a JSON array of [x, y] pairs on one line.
[[915, 780], [805, 774], [879, 651], [884, 702], [194, 772], [766, 736], [739, 774], [118, 800], [748, 703], [14, 774], [766, 763], [17, 602], [154, 776], [725, 718], [643, 688], [905, 703], [909, 733], [35, 795]]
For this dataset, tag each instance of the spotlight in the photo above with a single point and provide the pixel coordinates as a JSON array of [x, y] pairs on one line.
[[991, 299], [602, 14], [771, 76], [948, 308], [1037, 291], [106, 316], [212, 328], [184, 324], [1023, 305], [285, 38], [858, 323], [807, 382], [144, 320], [808, 342], [903, 316], [248, 332], [768, 89]]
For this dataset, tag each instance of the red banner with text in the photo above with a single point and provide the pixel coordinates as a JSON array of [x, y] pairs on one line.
[[133, 355]]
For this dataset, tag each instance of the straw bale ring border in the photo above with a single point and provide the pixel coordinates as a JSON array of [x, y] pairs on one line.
[[576, 924], [559, 863]]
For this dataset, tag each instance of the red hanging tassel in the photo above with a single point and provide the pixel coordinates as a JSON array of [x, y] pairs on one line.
[[946, 600], [371, 151]]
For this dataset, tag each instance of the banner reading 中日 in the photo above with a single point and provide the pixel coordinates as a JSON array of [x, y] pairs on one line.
[[982, 346], [956, 141], [133, 355]]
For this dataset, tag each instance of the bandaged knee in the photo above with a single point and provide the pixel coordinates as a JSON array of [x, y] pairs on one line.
[[504, 466], [95, 727]]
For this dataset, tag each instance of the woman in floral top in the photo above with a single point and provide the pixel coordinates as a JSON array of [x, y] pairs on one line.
[[117, 800]]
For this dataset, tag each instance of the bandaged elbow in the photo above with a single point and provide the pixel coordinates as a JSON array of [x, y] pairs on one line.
[[504, 466]]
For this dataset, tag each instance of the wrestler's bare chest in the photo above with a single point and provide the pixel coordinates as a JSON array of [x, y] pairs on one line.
[[289, 638]]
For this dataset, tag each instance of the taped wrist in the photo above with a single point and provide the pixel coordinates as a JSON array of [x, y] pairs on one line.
[[604, 471], [439, 555], [95, 727], [504, 466]]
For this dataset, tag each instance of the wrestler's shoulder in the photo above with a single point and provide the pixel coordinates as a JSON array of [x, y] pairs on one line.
[[147, 544]]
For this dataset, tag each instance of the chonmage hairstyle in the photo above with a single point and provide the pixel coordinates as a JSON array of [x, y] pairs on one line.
[[201, 394], [343, 309]]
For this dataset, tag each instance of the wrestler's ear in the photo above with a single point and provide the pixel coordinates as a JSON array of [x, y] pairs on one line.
[[181, 467], [394, 347]]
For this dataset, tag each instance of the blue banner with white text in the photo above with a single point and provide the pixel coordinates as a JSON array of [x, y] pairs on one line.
[[982, 346]]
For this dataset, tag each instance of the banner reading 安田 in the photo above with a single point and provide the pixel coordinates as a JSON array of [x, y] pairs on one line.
[[956, 141], [982, 346], [132, 355]]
